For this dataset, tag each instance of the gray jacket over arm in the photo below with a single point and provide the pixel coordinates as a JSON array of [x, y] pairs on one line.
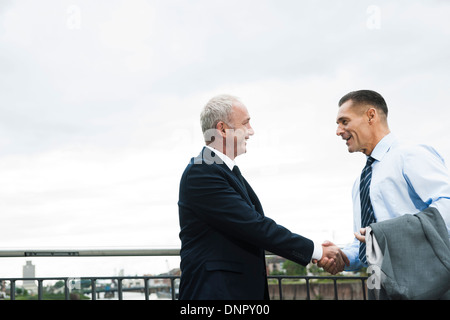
[[411, 255]]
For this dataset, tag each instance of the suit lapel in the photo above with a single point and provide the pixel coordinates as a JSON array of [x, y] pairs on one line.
[[209, 157], [254, 198], [242, 188]]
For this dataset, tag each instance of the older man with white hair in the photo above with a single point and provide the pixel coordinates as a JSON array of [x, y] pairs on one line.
[[224, 231]]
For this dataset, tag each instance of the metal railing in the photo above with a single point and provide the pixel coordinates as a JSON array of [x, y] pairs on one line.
[[90, 253], [94, 289], [308, 281]]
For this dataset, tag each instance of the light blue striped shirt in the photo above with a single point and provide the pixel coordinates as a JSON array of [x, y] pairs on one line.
[[406, 179]]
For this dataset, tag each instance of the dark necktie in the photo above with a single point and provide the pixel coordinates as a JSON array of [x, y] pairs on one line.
[[238, 174], [367, 215]]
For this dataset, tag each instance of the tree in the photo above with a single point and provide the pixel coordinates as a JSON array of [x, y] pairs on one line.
[[294, 269]]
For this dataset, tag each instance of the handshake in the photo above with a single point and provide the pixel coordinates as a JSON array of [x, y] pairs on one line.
[[333, 259]]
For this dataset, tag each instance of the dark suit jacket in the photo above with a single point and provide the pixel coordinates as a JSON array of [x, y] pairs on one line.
[[224, 234]]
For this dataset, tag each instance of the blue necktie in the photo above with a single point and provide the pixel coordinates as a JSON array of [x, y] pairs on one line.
[[367, 215]]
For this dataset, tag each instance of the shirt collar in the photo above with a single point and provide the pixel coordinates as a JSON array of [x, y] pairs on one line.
[[230, 163], [383, 146]]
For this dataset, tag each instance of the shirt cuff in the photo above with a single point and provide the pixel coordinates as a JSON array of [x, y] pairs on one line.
[[318, 251]]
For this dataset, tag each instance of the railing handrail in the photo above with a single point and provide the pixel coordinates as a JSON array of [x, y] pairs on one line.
[[87, 253], [92, 277], [20, 253]]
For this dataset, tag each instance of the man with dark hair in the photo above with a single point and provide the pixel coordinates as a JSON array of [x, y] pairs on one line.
[[362, 120], [366, 97], [398, 178]]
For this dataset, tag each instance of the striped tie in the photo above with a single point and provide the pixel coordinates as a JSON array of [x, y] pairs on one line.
[[367, 215]]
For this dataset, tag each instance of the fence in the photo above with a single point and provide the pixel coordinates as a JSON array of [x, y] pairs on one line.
[[93, 286]]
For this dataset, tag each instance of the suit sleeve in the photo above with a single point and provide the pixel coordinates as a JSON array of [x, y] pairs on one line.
[[214, 201]]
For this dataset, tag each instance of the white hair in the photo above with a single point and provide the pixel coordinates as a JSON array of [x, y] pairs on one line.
[[217, 109]]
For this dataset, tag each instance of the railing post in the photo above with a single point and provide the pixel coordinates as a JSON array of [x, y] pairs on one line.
[[12, 289], [172, 283], [93, 289], [66, 289], [364, 289], [40, 290], [146, 289], [308, 295], [119, 288], [335, 290], [280, 289]]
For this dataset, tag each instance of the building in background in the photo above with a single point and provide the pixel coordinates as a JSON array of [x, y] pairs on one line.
[[29, 271]]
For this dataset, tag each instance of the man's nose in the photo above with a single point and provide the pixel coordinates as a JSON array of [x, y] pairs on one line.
[[250, 130], [339, 131]]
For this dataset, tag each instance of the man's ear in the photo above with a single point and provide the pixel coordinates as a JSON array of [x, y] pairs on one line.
[[220, 126], [371, 114]]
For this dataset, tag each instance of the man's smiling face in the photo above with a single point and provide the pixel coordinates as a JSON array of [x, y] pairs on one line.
[[353, 127]]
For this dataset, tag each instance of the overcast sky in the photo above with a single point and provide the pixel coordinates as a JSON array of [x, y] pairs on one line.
[[100, 104]]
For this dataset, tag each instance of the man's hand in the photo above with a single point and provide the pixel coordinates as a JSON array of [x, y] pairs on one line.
[[361, 237], [333, 259]]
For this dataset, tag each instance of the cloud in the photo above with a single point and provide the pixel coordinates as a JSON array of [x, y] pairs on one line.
[[100, 107]]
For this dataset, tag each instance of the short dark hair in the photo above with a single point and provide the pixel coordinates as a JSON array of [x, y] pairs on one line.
[[366, 97]]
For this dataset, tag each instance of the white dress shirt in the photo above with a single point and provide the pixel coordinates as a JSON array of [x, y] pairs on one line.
[[318, 251], [406, 179]]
